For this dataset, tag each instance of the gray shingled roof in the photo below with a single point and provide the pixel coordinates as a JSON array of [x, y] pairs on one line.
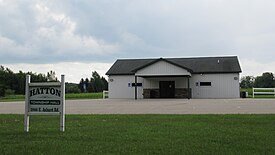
[[228, 64]]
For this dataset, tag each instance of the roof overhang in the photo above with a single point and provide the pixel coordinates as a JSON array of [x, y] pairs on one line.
[[162, 76]]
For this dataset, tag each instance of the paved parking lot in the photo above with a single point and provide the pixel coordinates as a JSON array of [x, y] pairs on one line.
[[157, 106]]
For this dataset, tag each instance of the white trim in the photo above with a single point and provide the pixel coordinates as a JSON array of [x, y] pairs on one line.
[[48, 84]]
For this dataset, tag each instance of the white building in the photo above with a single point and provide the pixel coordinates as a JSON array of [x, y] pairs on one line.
[[200, 77]]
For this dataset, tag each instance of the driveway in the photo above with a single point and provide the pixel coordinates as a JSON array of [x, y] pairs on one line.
[[157, 106]]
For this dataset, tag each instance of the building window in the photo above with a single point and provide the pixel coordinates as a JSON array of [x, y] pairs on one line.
[[205, 83], [138, 84]]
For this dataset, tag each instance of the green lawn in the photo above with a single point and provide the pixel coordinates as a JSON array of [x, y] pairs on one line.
[[99, 96], [84, 96], [68, 97], [139, 134]]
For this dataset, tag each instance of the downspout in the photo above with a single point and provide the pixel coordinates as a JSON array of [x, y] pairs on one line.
[[135, 87], [189, 92]]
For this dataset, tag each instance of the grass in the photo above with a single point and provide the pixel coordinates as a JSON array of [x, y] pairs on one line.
[[263, 96], [68, 96], [139, 134], [84, 96], [11, 98]]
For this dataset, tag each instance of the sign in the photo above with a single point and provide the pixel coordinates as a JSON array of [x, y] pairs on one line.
[[45, 99]]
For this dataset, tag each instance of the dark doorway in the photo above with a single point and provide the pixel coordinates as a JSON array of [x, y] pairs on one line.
[[167, 89]]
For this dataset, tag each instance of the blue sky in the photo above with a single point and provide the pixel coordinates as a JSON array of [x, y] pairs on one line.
[[77, 37]]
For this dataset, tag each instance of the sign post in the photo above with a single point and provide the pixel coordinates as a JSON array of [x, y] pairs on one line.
[[62, 113], [45, 99], [26, 119]]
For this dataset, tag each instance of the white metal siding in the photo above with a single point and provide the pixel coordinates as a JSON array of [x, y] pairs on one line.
[[222, 86], [162, 68], [118, 87]]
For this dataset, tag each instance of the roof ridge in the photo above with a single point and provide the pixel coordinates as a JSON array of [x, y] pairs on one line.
[[178, 58], [204, 57]]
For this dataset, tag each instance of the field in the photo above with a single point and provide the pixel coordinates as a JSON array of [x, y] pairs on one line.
[[68, 96], [139, 134]]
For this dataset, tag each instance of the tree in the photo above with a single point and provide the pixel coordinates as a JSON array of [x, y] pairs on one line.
[[81, 85], [2, 89], [71, 88], [247, 82], [105, 83], [86, 85], [265, 81], [20, 83], [95, 75], [91, 88], [51, 76], [97, 83], [11, 82]]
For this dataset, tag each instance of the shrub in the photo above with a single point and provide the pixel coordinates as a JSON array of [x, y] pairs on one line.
[[9, 92]]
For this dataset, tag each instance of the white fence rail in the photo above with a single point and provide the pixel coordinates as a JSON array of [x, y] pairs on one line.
[[105, 94], [267, 91]]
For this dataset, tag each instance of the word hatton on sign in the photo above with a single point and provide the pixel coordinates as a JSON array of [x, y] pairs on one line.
[[45, 90]]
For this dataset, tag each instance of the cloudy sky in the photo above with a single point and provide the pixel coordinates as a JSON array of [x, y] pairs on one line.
[[76, 37]]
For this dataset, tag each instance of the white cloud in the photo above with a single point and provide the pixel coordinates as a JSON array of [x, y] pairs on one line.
[[45, 32], [53, 36], [73, 71], [251, 67], [8, 46]]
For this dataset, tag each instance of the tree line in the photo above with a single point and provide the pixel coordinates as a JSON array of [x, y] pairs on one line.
[[14, 83], [94, 84], [266, 80]]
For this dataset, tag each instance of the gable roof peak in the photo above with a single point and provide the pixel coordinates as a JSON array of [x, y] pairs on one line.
[[165, 60]]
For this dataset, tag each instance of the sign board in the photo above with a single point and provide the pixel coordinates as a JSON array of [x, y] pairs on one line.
[[45, 99]]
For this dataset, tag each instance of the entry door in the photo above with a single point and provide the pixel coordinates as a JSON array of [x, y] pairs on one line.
[[167, 89]]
